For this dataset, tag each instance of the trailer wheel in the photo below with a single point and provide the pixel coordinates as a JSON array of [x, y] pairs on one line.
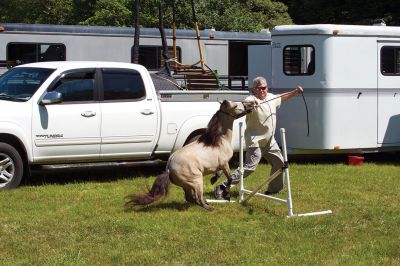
[[11, 167]]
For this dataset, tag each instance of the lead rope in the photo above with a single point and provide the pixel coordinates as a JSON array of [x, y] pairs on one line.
[[305, 104]]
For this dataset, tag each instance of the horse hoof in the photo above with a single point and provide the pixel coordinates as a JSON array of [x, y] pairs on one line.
[[226, 195], [208, 207], [214, 179]]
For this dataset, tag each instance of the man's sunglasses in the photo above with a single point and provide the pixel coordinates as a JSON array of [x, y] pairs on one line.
[[262, 88]]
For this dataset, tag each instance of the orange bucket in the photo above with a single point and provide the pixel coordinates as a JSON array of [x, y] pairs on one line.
[[356, 160]]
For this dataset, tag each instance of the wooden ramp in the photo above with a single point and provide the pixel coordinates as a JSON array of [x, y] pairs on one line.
[[200, 80]]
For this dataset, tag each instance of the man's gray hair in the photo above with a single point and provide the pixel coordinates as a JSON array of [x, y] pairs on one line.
[[258, 81]]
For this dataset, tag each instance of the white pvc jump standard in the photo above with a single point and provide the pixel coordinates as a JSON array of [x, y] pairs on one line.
[[285, 170]]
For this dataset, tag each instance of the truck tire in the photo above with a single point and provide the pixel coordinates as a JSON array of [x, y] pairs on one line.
[[11, 167]]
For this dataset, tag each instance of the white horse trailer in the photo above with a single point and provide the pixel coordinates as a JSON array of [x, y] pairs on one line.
[[225, 52], [351, 81]]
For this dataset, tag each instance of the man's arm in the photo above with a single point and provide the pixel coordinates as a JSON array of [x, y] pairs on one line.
[[286, 96]]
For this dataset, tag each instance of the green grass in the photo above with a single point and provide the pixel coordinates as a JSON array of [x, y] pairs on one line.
[[77, 218]]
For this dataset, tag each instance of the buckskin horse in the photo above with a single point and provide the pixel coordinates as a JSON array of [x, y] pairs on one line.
[[187, 166]]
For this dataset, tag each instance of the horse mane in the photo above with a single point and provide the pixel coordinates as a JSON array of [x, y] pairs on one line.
[[213, 135]]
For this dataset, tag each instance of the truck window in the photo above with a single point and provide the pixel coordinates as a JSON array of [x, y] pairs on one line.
[[20, 83], [151, 56], [22, 53], [76, 86], [123, 85], [390, 60], [299, 60]]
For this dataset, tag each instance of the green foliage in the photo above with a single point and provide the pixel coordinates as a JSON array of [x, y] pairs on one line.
[[228, 15], [77, 218], [36, 11], [343, 12], [110, 13]]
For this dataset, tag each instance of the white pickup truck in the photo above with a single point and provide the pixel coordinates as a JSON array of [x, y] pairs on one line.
[[85, 112]]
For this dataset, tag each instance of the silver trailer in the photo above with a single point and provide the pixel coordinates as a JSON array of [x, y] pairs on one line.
[[351, 80], [224, 52]]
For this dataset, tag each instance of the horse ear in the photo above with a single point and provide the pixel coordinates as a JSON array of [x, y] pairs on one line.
[[220, 102]]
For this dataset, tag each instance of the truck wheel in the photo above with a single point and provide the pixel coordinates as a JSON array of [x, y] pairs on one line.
[[11, 167]]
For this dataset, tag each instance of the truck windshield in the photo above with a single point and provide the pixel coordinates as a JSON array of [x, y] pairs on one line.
[[19, 84]]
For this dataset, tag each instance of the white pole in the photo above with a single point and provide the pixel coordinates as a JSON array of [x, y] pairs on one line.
[[251, 193], [241, 170], [286, 173], [314, 213], [269, 180]]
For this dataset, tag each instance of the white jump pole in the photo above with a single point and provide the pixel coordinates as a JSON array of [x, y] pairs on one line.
[[285, 170], [286, 173], [241, 159]]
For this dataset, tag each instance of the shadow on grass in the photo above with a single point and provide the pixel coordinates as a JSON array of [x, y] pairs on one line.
[[384, 158], [111, 172], [157, 206], [92, 173]]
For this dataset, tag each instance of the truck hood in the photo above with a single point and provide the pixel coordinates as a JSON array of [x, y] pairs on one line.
[[11, 109]]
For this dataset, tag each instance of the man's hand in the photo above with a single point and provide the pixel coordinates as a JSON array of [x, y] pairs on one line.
[[253, 101], [256, 103], [299, 89]]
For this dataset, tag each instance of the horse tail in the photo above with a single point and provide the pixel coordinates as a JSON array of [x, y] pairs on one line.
[[159, 189]]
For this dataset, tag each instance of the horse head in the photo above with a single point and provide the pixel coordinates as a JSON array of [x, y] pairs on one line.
[[233, 109]]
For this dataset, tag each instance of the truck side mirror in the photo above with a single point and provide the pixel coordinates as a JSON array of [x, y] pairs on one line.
[[52, 97]]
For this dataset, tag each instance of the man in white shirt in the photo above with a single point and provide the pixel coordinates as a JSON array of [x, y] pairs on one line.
[[259, 135]]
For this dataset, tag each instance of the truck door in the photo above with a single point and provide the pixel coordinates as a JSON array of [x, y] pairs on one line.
[[129, 116], [70, 130], [388, 92]]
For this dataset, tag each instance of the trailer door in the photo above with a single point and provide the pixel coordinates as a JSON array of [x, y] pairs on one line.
[[259, 62], [388, 92], [216, 57]]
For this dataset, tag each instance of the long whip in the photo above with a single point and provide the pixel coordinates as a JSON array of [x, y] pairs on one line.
[[305, 104]]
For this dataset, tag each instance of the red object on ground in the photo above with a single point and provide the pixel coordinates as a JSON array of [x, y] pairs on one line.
[[356, 160]]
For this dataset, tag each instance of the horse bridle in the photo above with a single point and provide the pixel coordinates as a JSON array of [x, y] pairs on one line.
[[247, 109]]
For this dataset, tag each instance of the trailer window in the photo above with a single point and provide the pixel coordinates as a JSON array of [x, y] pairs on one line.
[[390, 60], [123, 85], [22, 53], [151, 56], [299, 60]]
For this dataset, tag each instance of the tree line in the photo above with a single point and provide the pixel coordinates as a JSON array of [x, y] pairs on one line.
[[224, 15]]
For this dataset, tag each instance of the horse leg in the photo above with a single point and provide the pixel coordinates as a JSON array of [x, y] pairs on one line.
[[198, 190], [226, 194], [217, 175], [189, 195]]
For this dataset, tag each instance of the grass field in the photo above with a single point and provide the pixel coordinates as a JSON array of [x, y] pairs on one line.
[[77, 218]]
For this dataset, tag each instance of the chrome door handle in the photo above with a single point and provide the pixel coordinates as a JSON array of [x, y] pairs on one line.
[[88, 114], [146, 112]]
